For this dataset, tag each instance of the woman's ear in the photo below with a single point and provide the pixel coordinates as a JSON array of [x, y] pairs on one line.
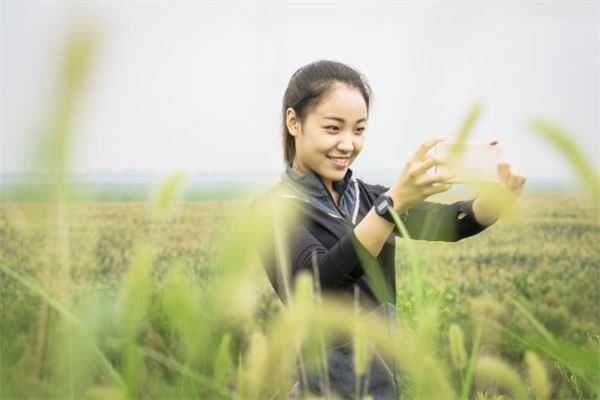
[[292, 122]]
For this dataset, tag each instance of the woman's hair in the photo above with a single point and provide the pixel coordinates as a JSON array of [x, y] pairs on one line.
[[309, 85]]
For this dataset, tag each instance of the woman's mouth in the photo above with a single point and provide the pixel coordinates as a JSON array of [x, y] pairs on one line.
[[339, 162]]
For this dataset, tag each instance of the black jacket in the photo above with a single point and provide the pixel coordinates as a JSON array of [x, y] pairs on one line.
[[319, 226]]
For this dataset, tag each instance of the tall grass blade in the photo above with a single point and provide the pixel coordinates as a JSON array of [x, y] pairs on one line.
[[417, 280], [28, 283], [131, 312], [464, 131], [167, 194], [559, 139], [171, 362], [466, 389], [458, 353], [582, 361]]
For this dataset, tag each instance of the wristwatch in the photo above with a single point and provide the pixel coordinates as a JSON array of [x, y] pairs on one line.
[[382, 205]]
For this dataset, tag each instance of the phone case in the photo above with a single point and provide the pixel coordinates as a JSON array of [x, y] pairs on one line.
[[475, 163]]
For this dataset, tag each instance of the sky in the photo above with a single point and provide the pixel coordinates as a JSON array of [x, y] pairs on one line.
[[198, 86]]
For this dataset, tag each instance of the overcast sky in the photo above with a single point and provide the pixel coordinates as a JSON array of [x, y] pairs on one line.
[[199, 85]]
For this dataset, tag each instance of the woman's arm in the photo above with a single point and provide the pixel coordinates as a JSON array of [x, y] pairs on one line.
[[286, 246], [442, 222], [339, 266], [436, 221], [408, 192], [373, 231]]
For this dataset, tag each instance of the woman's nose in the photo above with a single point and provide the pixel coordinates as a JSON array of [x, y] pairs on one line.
[[345, 143]]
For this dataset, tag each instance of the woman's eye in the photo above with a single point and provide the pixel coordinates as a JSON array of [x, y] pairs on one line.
[[361, 130], [332, 127]]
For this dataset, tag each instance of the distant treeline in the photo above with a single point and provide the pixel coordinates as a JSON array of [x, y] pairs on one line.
[[127, 192], [195, 191]]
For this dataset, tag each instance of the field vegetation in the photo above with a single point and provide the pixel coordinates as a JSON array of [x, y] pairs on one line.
[[167, 299]]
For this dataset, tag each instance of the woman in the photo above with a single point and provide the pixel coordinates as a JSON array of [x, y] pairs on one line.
[[337, 216]]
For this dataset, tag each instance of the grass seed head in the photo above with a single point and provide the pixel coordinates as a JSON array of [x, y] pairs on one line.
[[457, 347], [538, 376]]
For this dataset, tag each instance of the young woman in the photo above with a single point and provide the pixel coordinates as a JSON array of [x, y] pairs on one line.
[[325, 113]]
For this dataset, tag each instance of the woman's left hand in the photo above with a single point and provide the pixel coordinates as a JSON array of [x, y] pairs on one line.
[[508, 189]]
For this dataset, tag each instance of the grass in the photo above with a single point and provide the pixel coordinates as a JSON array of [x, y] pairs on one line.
[[185, 328], [165, 298]]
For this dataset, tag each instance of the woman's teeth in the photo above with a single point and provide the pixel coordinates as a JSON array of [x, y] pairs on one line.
[[339, 161]]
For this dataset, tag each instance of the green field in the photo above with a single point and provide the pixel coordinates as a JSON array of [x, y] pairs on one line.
[[176, 342]]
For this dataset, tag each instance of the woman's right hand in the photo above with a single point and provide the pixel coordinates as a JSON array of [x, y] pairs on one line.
[[414, 185]]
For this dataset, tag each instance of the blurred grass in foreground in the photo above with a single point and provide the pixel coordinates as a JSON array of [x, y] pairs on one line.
[[554, 279], [167, 299]]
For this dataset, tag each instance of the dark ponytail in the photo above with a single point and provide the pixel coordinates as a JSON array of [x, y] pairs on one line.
[[308, 86]]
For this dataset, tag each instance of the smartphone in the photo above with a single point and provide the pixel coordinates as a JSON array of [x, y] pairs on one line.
[[475, 163]]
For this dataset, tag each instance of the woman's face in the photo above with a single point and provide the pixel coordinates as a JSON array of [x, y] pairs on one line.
[[332, 134]]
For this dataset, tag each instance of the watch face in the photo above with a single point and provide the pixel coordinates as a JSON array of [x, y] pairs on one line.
[[382, 206]]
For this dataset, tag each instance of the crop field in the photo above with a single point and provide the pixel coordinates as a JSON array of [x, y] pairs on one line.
[[107, 300], [165, 298]]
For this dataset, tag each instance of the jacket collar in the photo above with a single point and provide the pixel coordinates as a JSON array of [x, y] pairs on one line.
[[311, 189], [313, 182]]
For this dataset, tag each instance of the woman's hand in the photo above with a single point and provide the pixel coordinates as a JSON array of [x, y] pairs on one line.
[[505, 193], [414, 185]]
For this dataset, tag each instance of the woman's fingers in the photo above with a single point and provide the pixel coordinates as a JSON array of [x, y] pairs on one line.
[[419, 168], [522, 178], [426, 146], [512, 178], [519, 178], [428, 191], [427, 180], [503, 168]]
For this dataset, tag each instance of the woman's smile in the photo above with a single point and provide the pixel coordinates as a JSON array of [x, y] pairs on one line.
[[339, 162]]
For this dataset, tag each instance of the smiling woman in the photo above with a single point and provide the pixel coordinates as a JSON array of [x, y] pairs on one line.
[[330, 137], [342, 224]]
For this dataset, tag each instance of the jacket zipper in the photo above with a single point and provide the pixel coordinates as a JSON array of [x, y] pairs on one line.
[[333, 201]]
